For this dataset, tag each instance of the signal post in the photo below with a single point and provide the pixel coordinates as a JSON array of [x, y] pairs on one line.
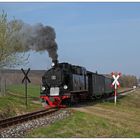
[[115, 84], [26, 80]]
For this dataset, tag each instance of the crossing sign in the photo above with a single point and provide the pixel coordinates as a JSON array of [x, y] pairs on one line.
[[115, 84], [26, 80], [25, 76]]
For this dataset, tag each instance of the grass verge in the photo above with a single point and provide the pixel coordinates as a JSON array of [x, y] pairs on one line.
[[11, 105], [98, 120]]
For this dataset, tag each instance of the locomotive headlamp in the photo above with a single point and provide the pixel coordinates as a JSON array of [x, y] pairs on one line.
[[65, 87], [43, 88], [53, 64]]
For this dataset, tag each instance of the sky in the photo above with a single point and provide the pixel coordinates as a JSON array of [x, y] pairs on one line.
[[103, 37]]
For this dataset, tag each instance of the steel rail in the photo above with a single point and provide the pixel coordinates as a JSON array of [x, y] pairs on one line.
[[119, 94]]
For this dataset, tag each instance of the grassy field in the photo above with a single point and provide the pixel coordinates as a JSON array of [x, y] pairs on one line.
[[33, 90], [98, 120], [11, 105]]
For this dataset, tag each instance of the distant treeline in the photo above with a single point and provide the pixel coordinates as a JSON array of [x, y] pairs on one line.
[[128, 81]]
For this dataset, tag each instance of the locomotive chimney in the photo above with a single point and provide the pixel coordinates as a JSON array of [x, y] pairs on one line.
[[54, 63]]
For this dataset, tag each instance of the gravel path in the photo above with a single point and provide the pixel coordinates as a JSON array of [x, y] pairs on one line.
[[19, 131]]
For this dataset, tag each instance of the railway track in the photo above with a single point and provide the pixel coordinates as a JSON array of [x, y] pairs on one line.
[[120, 94], [22, 118], [126, 91]]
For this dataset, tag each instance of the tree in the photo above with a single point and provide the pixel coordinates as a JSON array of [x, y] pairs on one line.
[[9, 45], [128, 80]]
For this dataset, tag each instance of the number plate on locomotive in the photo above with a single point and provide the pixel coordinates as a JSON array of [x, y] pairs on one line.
[[53, 77], [54, 91]]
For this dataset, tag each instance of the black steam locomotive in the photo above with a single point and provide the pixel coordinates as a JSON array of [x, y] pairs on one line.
[[65, 83]]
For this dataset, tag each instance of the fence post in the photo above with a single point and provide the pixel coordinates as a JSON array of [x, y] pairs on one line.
[[0, 84], [5, 85]]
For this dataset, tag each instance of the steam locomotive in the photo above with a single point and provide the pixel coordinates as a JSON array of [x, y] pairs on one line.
[[64, 84]]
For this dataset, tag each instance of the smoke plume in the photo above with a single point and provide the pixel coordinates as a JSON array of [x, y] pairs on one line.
[[35, 37]]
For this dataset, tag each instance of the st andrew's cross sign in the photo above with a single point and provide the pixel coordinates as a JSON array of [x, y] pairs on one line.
[[115, 84], [26, 80]]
